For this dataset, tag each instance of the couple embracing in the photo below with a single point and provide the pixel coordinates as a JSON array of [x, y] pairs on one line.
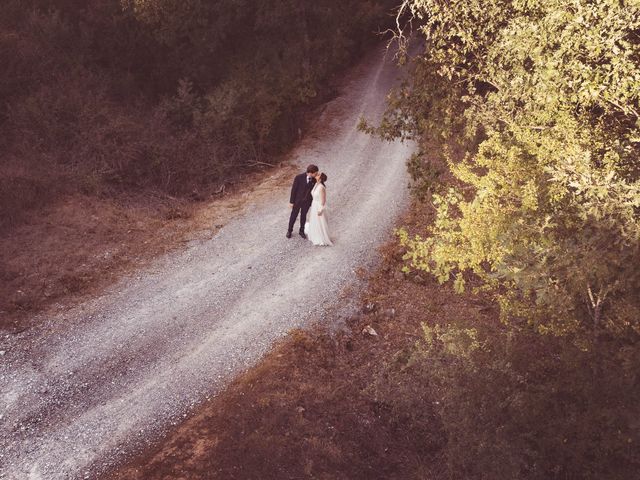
[[309, 196]]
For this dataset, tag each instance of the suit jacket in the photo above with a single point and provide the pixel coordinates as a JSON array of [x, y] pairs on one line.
[[301, 191]]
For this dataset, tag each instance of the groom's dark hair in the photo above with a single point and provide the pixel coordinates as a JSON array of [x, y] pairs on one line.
[[312, 168]]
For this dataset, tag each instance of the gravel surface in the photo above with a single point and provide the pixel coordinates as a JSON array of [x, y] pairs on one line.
[[100, 379]]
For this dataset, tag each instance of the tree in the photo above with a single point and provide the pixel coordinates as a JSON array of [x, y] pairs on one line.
[[545, 205]]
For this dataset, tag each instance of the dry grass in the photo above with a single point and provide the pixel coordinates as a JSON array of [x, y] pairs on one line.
[[80, 244]]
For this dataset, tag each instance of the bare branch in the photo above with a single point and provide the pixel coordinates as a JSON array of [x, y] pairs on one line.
[[595, 305], [257, 163], [626, 111], [398, 34]]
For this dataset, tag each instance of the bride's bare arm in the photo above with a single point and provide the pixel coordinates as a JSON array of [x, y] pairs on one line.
[[323, 199]]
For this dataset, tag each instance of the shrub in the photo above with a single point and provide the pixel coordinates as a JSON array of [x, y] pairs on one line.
[[518, 405]]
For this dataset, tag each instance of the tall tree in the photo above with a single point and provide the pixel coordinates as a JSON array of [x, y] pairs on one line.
[[545, 210]]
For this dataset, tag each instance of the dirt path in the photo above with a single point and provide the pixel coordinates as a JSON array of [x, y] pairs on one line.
[[101, 377]]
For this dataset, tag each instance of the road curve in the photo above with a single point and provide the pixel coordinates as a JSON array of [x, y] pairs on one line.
[[128, 364]]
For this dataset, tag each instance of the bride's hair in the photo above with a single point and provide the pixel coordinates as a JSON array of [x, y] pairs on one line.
[[323, 178]]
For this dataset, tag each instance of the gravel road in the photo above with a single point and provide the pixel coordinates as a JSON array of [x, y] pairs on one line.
[[101, 378]]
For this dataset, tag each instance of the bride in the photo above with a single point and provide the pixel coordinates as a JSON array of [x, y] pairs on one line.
[[318, 232]]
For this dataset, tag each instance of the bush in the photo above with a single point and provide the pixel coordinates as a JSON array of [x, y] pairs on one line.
[[518, 405], [165, 94]]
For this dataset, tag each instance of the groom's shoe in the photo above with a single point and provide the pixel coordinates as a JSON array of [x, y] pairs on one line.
[[288, 234], [303, 235]]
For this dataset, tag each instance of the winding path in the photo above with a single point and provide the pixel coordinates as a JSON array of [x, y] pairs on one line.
[[133, 361]]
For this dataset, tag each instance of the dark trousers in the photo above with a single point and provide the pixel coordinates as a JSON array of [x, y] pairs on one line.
[[302, 209]]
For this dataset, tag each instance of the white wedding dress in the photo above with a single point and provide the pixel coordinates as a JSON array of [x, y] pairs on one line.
[[318, 232]]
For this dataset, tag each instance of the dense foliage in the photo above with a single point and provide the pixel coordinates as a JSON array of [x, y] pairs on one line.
[[518, 405], [546, 209], [161, 94], [537, 104]]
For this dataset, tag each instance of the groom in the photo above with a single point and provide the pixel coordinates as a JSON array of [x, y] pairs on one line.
[[300, 200]]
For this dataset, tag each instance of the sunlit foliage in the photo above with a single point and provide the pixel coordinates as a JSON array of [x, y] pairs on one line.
[[545, 210]]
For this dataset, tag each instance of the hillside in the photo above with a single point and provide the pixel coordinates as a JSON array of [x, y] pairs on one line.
[[119, 367], [478, 316], [120, 117], [500, 338]]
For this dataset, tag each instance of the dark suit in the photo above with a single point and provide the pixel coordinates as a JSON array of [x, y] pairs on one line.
[[301, 199]]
